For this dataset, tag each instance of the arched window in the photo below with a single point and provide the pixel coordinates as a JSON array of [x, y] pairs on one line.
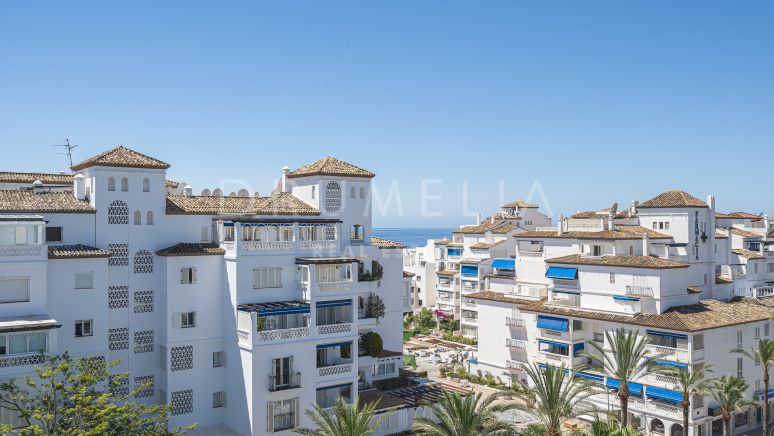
[[332, 197], [362, 192], [118, 213], [677, 430], [111, 184], [146, 185], [137, 218], [124, 184], [352, 192], [656, 426], [149, 218], [143, 262], [313, 189]]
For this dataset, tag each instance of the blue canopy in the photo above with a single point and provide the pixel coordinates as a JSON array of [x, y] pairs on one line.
[[622, 298], [634, 388], [334, 303], [470, 270], [555, 344], [454, 251], [664, 394], [672, 364], [589, 376], [666, 334], [335, 344], [553, 323], [757, 394], [556, 272], [504, 264]]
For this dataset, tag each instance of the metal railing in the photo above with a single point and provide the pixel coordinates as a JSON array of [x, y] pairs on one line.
[[285, 381]]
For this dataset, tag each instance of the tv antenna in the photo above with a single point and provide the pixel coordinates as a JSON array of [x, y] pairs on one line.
[[68, 150]]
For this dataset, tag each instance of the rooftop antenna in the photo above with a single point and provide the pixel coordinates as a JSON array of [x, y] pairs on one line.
[[68, 150]]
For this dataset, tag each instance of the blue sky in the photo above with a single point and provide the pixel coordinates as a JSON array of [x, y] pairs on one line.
[[592, 102]]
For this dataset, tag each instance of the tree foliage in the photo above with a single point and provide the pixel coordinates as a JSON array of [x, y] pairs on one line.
[[372, 344], [465, 416], [345, 420], [426, 318], [374, 306]]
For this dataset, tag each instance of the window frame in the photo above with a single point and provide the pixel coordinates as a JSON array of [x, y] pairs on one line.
[[81, 273], [61, 234], [83, 323]]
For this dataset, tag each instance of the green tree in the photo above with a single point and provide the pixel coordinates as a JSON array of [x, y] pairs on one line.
[[465, 416], [374, 307], [534, 430], [627, 361], [555, 393], [80, 397], [372, 344], [688, 383], [345, 420], [728, 393], [426, 318], [607, 427], [762, 355]]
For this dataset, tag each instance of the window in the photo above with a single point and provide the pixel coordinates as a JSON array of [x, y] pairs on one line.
[[217, 359], [84, 280], [596, 250], [23, 343], [205, 234], [334, 273], [661, 225], [352, 192], [739, 371], [83, 328], [757, 332], [612, 278], [149, 218], [599, 337], [54, 234], [577, 325], [188, 276], [333, 197], [14, 289], [111, 184], [771, 267], [739, 339], [631, 250], [362, 192], [267, 278], [185, 320], [755, 268], [118, 213], [282, 415], [145, 185], [655, 225], [666, 225], [124, 184], [384, 368], [313, 189], [698, 341], [218, 399], [137, 218]]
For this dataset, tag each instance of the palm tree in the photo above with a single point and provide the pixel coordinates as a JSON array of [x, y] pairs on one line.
[[555, 393], [465, 416], [728, 392], [344, 420], [606, 427], [762, 355], [628, 360], [688, 383]]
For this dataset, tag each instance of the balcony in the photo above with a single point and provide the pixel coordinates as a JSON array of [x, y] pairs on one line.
[[319, 276], [515, 322], [284, 382], [664, 408], [339, 286], [334, 329], [318, 246], [267, 246], [337, 369], [668, 352], [515, 344], [554, 359], [566, 284], [284, 421], [763, 291], [639, 291], [283, 334], [272, 322], [356, 241]]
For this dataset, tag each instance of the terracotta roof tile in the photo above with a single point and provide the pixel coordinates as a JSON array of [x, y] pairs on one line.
[[498, 227], [719, 280], [472, 261], [519, 203], [442, 242], [279, 204], [386, 243], [748, 254], [46, 178], [171, 184], [648, 262], [407, 274], [46, 202], [77, 251], [620, 232], [500, 297], [329, 166], [745, 233], [486, 245], [192, 249], [121, 157], [720, 235], [672, 199], [704, 315], [446, 273], [738, 215]]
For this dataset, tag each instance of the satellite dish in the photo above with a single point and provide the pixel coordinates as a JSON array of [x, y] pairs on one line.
[[614, 209]]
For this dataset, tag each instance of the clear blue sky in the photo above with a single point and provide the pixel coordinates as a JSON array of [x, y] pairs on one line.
[[595, 101]]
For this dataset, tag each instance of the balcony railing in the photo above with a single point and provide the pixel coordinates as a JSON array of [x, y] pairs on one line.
[[284, 421], [514, 322], [253, 246], [274, 335], [531, 253], [564, 283], [515, 343], [641, 291], [341, 286], [356, 241], [286, 381], [32, 250], [336, 369], [317, 245], [675, 353], [763, 291], [333, 329]]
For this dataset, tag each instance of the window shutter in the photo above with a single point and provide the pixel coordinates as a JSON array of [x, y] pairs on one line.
[[177, 320], [270, 417], [278, 277], [193, 275], [223, 399], [183, 276], [295, 414]]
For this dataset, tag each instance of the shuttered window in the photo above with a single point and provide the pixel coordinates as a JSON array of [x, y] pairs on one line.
[[84, 280], [13, 290], [267, 278], [188, 276]]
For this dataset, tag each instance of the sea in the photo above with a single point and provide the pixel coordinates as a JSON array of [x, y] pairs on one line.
[[412, 237]]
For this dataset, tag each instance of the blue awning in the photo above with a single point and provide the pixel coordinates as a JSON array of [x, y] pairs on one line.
[[757, 394], [578, 347], [469, 270], [589, 376], [473, 360], [555, 344], [553, 323], [504, 264], [334, 303], [672, 364], [556, 272], [666, 334], [634, 388], [664, 394], [335, 344], [453, 251], [622, 298]]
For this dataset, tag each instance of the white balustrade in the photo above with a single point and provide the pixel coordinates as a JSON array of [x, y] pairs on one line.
[[345, 368], [515, 343], [243, 336], [20, 250], [258, 246], [274, 335], [317, 245], [515, 322], [342, 286], [642, 291], [332, 329]]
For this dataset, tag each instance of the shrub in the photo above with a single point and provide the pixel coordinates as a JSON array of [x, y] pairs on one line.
[[426, 318], [459, 339], [372, 344], [374, 306]]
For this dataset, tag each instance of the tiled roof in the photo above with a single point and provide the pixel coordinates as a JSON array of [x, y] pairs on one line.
[[499, 216], [672, 199], [720, 235], [519, 203], [279, 204], [446, 273], [46, 178], [171, 184], [442, 242], [604, 213], [486, 245], [471, 261], [738, 215], [500, 297], [380, 399], [620, 232], [329, 166], [498, 227], [719, 280], [704, 315], [748, 254], [192, 249], [121, 157], [745, 233], [386, 243], [649, 262], [46, 202], [78, 251], [407, 274]]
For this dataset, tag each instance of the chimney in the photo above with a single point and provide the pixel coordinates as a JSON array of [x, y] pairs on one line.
[[79, 187], [478, 219], [646, 245], [491, 219], [711, 203], [767, 222], [188, 191], [560, 225], [633, 209], [37, 187], [284, 183]]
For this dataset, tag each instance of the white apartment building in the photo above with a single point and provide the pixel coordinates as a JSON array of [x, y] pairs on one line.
[[243, 311], [694, 281], [447, 271]]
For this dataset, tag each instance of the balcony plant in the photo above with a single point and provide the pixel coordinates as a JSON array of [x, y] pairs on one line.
[[376, 273], [374, 307], [372, 344]]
